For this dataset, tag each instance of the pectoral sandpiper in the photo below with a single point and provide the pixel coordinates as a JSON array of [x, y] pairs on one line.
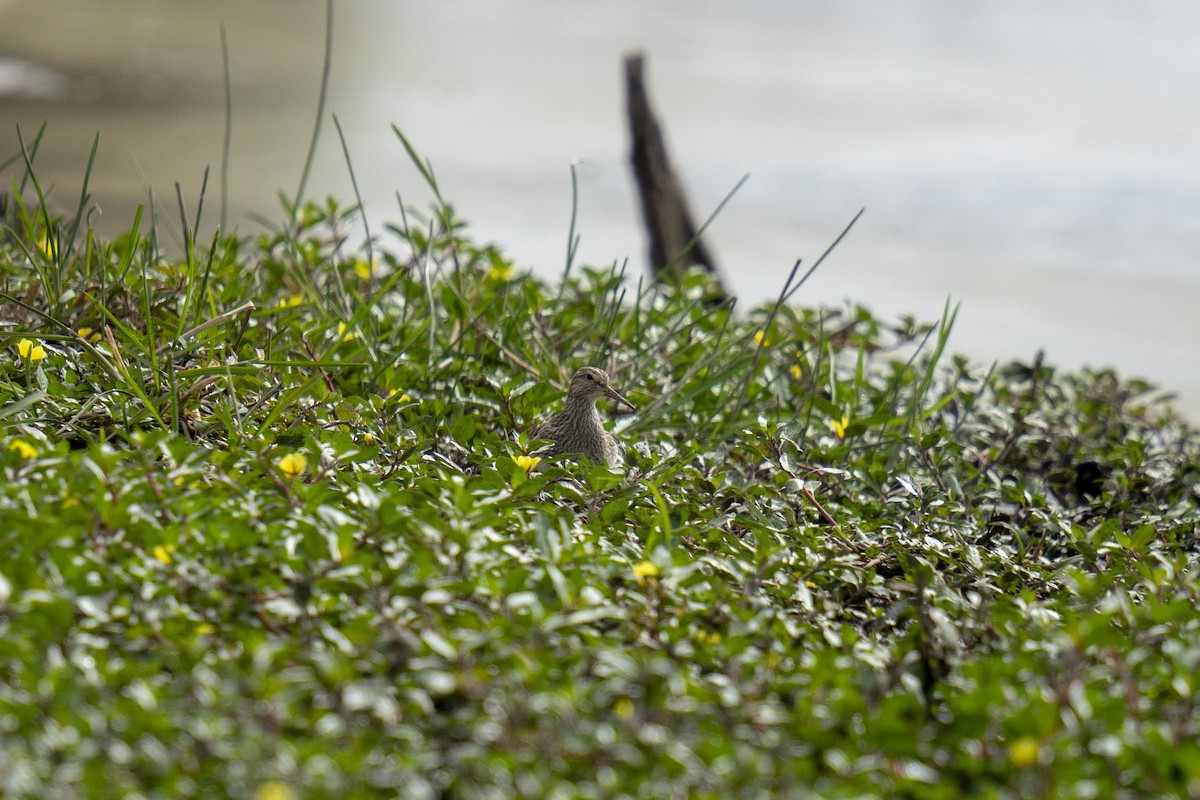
[[577, 429]]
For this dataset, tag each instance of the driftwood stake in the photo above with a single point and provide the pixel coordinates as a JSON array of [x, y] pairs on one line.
[[674, 241]]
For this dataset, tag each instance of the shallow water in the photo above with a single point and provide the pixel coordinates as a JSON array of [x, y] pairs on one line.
[[1040, 165]]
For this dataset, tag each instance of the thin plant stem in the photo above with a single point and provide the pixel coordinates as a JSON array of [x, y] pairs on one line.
[[228, 138], [326, 67]]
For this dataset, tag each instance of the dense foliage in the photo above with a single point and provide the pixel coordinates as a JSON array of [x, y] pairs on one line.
[[287, 549]]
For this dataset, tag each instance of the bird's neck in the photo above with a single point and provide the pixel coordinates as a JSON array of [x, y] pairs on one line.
[[581, 406]]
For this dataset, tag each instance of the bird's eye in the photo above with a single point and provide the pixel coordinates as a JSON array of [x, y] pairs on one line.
[[588, 376]]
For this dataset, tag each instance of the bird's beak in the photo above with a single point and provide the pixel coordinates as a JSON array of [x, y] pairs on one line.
[[615, 395]]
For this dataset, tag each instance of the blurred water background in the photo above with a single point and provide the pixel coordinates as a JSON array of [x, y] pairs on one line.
[[1036, 162]]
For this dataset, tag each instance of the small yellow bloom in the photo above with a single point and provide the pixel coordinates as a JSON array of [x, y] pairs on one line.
[[291, 301], [203, 629], [623, 708], [293, 464], [502, 272], [44, 245], [274, 790], [27, 348], [364, 269], [403, 398], [797, 373], [760, 338], [368, 438], [527, 463], [163, 552], [840, 426], [710, 638], [645, 572], [22, 448], [346, 334], [1024, 752]]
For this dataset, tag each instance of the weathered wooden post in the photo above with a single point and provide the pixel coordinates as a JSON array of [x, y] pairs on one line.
[[674, 240]]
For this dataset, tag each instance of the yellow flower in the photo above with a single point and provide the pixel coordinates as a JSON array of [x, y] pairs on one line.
[[27, 348], [527, 463], [1024, 752], [839, 426], [346, 335], [368, 438], [44, 245], [22, 448], [623, 708], [163, 552], [403, 398], [710, 637], [797, 373], [760, 338], [293, 464], [274, 790], [645, 572], [203, 629], [364, 269], [502, 272]]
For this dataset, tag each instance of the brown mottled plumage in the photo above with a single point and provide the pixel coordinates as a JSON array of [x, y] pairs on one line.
[[577, 429]]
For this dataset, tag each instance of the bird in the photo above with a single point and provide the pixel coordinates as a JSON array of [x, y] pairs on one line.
[[577, 429]]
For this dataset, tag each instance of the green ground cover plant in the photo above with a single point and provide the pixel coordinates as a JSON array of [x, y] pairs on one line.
[[271, 528]]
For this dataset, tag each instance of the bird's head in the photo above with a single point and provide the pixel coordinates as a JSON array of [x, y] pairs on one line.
[[591, 384]]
